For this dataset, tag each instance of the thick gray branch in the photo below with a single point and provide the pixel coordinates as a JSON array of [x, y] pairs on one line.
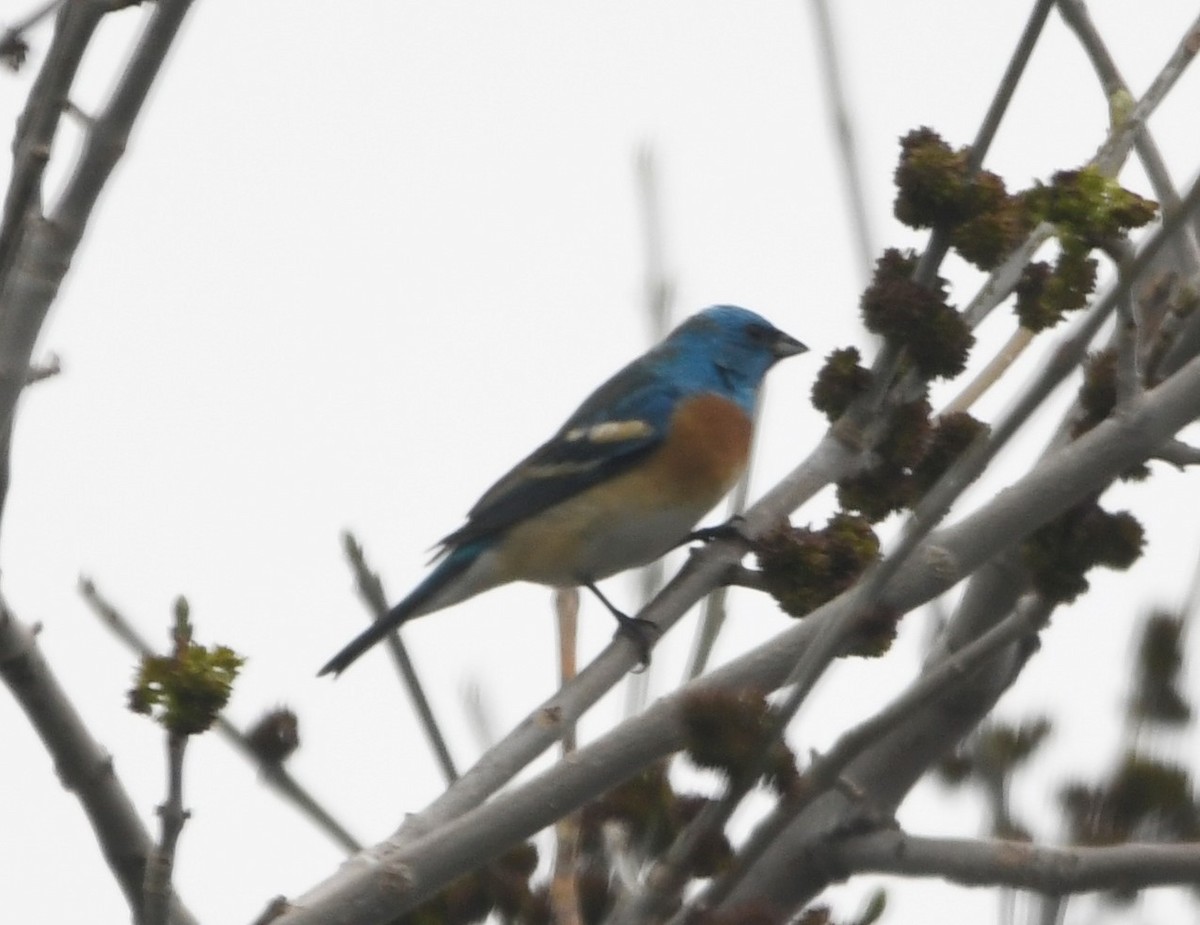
[[398, 875], [1053, 871]]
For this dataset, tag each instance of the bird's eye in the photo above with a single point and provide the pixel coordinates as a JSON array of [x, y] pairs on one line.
[[759, 333]]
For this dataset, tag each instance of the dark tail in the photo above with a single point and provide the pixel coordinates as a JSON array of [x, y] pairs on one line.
[[412, 606]]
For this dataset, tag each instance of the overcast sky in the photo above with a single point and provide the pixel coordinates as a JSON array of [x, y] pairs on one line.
[[360, 258]]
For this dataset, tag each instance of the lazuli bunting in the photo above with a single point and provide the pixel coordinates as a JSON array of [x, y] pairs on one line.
[[624, 480]]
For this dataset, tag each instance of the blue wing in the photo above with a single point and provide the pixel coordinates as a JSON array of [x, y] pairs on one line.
[[616, 427]]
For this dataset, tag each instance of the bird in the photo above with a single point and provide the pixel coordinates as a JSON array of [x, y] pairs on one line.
[[622, 482]]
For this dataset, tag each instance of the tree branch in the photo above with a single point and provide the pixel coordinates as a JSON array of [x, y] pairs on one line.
[[370, 589], [1108, 159], [273, 772], [35, 251], [402, 872], [172, 815], [38, 123], [1076, 16], [1053, 871], [13, 47], [843, 134], [83, 766], [825, 769], [445, 848]]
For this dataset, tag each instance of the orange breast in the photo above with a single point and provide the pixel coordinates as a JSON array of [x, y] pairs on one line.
[[638, 515], [706, 448]]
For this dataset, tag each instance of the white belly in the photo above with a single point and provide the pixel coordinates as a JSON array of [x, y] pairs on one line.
[[584, 540]]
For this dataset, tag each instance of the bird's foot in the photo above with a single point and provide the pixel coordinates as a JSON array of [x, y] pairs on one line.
[[732, 529], [642, 633]]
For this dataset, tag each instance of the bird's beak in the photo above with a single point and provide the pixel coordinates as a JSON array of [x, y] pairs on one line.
[[786, 346]]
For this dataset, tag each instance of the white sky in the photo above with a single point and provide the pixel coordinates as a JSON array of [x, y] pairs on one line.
[[360, 258]]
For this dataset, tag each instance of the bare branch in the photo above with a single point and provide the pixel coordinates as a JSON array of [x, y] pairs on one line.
[[939, 241], [1178, 454], [83, 766], [48, 370], [1021, 338], [564, 887], [370, 589], [35, 251], [658, 295], [111, 128], [843, 133], [566, 613], [824, 771], [659, 287], [1008, 83], [1076, 16], [458, 841], [713, 564], [742, 577], [273, 772], [479, 716], [161, 864], [13, 47], [1108, 159], [937, 500], [1114, 151], [37, 125], [1053, 871]]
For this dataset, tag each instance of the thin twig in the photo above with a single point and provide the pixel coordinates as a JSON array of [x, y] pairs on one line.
[[1107, 159], [26, 296], [370, 589], [1008, 84], [13, 46], [715, 609], [564, 887], [831, 459], [566, 613], [435, 849], [34, 256], [85, 769], [1114, 151], [658, 285], [1075, 15], [867, 593], [1002, 280], [48, 370], [939, 242], [1178, 454], [742, 577], [1021, 338], [160, 865], [479, 716], [273, 772], [38, 124], [658, 296], [832, 456], [843, 134]]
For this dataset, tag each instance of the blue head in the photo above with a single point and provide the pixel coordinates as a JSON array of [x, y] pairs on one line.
[[729, 350]]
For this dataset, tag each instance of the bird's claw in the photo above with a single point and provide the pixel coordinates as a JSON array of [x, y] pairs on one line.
[[642, 633], [732, 529]]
